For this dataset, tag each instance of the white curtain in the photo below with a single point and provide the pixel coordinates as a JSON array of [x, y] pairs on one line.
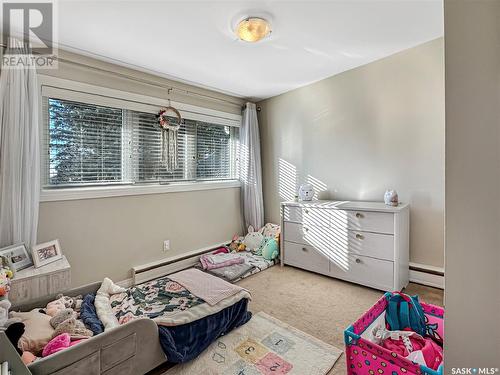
[[250, 169], [19, 154]]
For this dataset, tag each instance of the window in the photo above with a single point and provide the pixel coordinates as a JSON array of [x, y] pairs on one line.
[[90, 144]]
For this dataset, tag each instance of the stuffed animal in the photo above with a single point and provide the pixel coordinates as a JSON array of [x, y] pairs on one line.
[[270, 249], [61, 303], [5, 276], [236, 244], [253, 240], [65, 322], [74, 327], [61, 316], [4, 311], [270, 230]]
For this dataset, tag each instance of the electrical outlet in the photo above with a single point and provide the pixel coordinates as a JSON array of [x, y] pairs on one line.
[[166, 245]]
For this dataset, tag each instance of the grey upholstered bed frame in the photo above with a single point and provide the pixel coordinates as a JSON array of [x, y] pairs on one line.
[[131, 349]]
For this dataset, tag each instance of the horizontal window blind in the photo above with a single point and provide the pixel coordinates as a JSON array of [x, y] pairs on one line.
[[84, 143], [90, 144]]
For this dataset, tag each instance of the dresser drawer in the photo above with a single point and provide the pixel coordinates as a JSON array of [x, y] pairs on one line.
[[292, 213], [306, 257], [317, 217], [374, 245], [380, 222], [376, 273], [308, 235]]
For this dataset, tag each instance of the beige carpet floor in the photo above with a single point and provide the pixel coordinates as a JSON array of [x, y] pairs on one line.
[[318, 305]]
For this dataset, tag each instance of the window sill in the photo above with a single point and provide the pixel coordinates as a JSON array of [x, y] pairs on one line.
[[65, 194]]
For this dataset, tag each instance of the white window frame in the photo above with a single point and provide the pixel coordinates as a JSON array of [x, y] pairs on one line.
[[87, 93]]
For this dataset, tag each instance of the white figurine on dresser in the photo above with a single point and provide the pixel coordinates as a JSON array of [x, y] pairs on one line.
[[361, 242]]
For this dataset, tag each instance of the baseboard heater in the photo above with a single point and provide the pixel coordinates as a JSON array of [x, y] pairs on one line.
[[427, 275], [154, 270]]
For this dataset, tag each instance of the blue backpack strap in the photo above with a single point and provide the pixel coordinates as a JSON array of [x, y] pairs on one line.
[[404, 314], [417, 317], [392, 313]]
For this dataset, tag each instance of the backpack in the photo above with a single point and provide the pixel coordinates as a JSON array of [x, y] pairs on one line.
[[404, 312]]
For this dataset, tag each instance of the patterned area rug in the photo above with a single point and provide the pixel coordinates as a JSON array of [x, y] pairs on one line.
[[263, 346]]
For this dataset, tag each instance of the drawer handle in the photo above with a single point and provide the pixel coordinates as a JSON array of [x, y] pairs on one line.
[[359, 215], [359, 236], [304, 249], [358, 260]]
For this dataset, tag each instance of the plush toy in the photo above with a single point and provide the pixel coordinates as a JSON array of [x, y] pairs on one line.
[[4, 311], [14, 332], [270, 230], [253, 240], [28, 357], [61, 316], [65, 322], [61, 303], [5, 276], [236, 244], [270, 249], [58, 343]]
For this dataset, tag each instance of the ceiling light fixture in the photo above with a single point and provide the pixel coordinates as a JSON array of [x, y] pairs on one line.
[[253, 29]]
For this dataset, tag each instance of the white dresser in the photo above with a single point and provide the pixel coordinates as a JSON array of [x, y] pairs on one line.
[[362, 242], [33, 283]]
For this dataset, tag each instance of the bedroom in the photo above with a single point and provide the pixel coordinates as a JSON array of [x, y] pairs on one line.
[[267, 104]]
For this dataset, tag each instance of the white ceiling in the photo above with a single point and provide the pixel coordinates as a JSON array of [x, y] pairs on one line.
[[193, 40]]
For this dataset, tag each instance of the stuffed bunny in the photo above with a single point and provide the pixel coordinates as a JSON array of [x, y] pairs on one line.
[[253, 240]]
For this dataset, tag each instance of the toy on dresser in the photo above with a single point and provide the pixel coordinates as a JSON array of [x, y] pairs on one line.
[[5, 277]]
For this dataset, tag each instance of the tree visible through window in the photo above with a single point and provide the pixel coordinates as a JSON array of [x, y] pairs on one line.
[[92, 144], [85, 143]]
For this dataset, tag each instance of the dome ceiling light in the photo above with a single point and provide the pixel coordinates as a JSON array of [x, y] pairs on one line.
[[253, 29]]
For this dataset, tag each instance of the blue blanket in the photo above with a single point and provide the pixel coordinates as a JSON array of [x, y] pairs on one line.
[[88, 315], [185, 342]]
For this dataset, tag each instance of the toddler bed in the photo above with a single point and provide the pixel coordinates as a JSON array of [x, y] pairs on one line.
[[149, 324]]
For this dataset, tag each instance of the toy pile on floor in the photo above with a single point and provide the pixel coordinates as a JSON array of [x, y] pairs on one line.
[[43, 331], [245, 255]]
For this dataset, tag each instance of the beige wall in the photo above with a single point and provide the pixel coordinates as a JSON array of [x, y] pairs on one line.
[[357, 133], [472, 48], [107, 236]]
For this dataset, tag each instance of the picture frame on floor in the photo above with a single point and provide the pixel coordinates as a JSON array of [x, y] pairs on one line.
[[17, 255], [46, 253]]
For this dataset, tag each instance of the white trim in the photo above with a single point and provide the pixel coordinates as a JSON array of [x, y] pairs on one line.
[[74, 90], [425, 278], [427, 267], [75, 193], [171, 264]]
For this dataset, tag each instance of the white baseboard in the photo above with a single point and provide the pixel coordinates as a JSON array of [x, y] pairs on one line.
[[427, 275]]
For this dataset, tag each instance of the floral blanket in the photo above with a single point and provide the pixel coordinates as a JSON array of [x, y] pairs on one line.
[[166, 302], [152, 299]]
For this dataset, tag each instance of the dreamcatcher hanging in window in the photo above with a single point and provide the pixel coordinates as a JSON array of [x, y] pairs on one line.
[[169, 130]]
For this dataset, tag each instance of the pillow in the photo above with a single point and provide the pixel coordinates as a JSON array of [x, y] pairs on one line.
[[37, 331]]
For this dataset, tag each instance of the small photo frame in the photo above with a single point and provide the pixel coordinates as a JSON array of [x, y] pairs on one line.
[[17, 256], [46, 253]]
